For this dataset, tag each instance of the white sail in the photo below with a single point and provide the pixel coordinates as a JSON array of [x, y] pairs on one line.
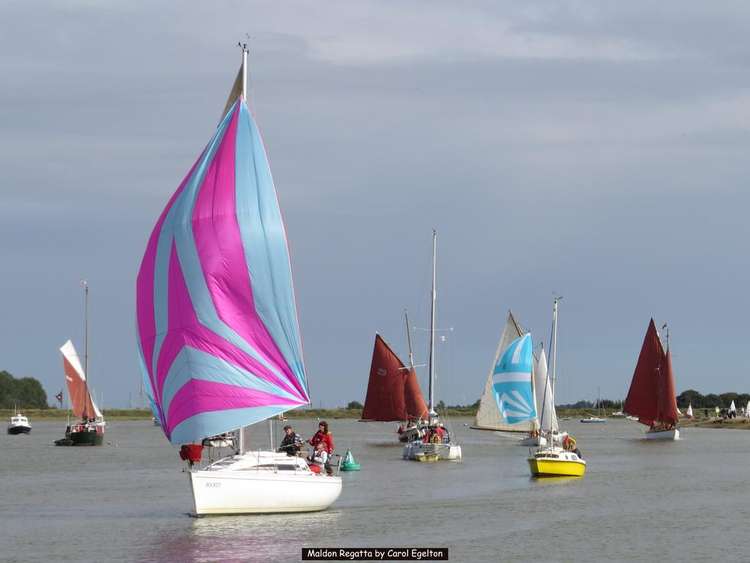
[[689, 412], [488, 416], [544, 397], [747, 409], [732, 407]]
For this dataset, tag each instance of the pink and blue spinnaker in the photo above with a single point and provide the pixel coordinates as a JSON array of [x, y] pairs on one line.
[[217, 325]]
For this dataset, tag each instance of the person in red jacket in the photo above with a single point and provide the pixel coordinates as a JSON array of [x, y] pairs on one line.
[[322, 435]]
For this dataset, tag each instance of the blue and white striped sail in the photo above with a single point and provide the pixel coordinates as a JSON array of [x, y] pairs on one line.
[[513, 385]]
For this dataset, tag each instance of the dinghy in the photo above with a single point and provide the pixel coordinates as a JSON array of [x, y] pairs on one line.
[[651, 397], [218, 335]]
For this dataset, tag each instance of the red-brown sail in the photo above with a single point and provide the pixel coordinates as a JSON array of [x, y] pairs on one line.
[[642, 399], [393, 391], [652, 396], [667, 404]]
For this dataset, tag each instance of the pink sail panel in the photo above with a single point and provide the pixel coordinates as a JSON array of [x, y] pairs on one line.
[[80, 398], [216, 317]]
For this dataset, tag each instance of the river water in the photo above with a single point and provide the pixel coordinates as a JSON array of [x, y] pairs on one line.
[[639, 500]]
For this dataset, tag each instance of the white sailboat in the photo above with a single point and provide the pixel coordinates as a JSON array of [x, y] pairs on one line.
[[523, 422], [599, 419], [437, 447], [218, 334], [689, 412]]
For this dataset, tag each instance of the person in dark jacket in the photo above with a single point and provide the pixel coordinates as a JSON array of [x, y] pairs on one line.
[[292, 442]]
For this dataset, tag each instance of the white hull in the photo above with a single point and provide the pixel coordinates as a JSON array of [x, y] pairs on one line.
[[446, 452], [261, 483], [593, 420], [19, 424], [542, 441], [673, 434], [533, 441]]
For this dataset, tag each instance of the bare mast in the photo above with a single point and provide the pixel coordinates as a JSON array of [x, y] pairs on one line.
[[85, 285], [432, 324], [243, 95], [555, 303]]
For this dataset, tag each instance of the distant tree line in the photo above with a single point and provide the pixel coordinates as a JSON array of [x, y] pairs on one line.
[[689, 397], [684, 399], [25, 392], [712, 400]]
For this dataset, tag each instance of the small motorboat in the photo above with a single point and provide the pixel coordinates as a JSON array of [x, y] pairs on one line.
[[19, 424], [593, 420]]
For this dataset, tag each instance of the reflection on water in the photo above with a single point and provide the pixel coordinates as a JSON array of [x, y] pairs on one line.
[[261, 537], [637, 496], [556, 480]]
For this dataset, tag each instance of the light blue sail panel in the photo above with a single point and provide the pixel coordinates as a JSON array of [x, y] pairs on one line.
[[512, 383]]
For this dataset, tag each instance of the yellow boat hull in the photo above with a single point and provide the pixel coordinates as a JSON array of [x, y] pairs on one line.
[[556, 467]]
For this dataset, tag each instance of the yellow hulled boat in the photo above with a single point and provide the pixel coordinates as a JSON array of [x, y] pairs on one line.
[[556, 462]]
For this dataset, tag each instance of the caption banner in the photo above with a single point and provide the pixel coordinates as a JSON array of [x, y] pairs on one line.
[[374, 554]]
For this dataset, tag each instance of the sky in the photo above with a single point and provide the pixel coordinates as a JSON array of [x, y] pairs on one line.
[[591, 149]]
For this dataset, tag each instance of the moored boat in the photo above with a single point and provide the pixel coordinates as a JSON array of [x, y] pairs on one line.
[[651, 397], [593, 420], [218, 333], [19, 424]]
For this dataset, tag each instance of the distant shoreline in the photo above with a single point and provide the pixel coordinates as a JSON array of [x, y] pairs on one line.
[[318, 414]]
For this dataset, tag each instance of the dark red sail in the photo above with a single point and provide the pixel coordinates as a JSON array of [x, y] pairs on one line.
[[642, 399], [667, 403], [393, 391]]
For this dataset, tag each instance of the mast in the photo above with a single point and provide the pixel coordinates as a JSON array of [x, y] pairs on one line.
[[85, 285], [432, 325], [244, 71], [553, 351], [408, 340], [243, 95]]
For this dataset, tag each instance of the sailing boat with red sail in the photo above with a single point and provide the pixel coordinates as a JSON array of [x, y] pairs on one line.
[[393, 392], [651, 397]]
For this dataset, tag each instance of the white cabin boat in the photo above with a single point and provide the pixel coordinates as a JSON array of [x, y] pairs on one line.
[[19, 424]]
